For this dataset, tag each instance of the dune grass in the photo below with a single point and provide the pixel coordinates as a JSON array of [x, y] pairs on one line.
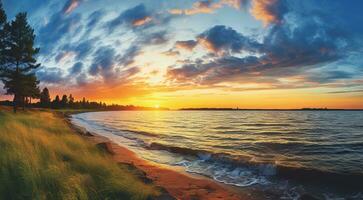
[[41, 158]]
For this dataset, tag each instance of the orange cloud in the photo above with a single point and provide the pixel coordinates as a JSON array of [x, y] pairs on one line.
[[71, 5], [237, 4], [143, 21], [207, 45], [268, 11], [187, 45]]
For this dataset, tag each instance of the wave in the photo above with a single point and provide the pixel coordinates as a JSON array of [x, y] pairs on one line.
[[113, 130], [144, 133], [228, 168], [267, 124]]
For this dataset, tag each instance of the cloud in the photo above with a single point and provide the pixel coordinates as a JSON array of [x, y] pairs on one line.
[[346, 91], [308, 44], [153, 38], [103, 63], [221, 39], [94, 18], [129, 55], [207, 7], [269, 11], [76, 69], [142, 21], [329, 76], [171, 53], [282, 52], [127, 74], [293, 46], [53, 32], [82, 79], [81, 49], [218, 70], [188, 44], [134, 17], [51, 75], [71, 5], [63, 56]]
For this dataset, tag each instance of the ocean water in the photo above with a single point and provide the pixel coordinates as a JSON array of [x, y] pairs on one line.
[[285, 154]]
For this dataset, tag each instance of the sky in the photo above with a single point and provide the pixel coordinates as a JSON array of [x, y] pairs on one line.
[[209, 53]]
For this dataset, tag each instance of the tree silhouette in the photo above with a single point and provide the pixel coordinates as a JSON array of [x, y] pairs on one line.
[[45, 98], [64, 101], [71, 101], [56, 102], [30, 88], [19, 62]]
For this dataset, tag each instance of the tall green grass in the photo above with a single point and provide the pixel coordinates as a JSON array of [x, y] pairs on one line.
[[41, 158]]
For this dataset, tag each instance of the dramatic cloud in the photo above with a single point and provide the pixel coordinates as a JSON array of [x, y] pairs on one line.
[[288, 49], [107, 65], [207, 6], [218, 70], [269, 11], [222, 39]]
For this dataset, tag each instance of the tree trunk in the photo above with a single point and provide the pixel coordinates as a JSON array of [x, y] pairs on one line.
[[24, 101], [15, 104]]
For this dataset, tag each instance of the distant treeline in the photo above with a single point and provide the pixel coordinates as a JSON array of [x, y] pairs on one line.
[[65, 102], [69, 102]]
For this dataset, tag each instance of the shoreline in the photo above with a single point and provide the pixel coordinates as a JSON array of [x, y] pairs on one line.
[[176, 182]]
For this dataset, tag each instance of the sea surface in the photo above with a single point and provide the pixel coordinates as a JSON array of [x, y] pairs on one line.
[[285, 154]]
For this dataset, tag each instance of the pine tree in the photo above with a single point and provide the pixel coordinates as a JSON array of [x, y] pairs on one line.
[[19, 61], [71, 101], [56, 102], [45, 98], [64, 101], [30, 88], [83, 102]]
